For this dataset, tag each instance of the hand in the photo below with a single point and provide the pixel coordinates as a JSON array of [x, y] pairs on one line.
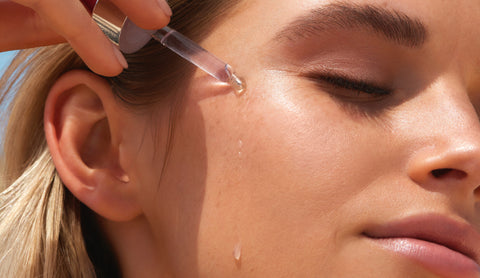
[[32, 23]]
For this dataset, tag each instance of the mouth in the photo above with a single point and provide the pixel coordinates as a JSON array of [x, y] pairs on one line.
[[440, 244]]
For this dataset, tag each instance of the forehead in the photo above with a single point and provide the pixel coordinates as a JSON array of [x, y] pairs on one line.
[[438, 15], [262, 17], [450, 24]]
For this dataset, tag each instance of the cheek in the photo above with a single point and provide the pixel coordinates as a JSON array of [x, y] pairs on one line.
[[271, 171], [279, 168], [305, 149]]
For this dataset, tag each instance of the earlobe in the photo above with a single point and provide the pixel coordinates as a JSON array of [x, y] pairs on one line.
[[84, 139]]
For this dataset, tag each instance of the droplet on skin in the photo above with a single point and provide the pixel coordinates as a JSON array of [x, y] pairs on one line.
[[240, 145], [237, 252], [237, 83], [124, 178]]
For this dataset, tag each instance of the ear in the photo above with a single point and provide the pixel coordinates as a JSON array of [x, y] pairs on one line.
[[83, 130]]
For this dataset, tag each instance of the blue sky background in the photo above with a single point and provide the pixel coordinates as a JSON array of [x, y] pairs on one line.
[[5, 59]]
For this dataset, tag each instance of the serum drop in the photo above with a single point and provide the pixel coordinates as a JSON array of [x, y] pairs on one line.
[[237, 252]]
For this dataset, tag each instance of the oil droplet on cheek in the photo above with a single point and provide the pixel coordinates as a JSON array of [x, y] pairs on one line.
[[237, 83], [240, 145], [237, 252]]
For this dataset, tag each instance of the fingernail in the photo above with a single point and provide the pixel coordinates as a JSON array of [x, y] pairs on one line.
[[121, 59], [165, 7]]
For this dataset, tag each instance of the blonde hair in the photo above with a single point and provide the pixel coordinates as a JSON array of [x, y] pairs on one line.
[[43, 227]]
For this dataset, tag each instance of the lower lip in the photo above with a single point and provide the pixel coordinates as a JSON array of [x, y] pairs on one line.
[[433, 257]]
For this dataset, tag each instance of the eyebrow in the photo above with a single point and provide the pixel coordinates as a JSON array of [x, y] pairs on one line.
[[393, 25]]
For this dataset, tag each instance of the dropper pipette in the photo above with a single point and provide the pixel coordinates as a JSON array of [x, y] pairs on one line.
[[131, 38], [198, 56]]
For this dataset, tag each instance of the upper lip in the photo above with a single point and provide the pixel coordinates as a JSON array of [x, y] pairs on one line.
[[439, 229]]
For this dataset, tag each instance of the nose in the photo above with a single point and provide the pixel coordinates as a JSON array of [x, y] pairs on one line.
[[448, 156], [452, 165]]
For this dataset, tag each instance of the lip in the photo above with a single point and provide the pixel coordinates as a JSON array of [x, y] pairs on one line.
[[440, 244]]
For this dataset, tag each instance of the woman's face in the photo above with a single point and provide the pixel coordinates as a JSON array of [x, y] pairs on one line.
[[355, 151]]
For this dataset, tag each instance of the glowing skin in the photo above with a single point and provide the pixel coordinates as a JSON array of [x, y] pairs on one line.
[[298, 171]]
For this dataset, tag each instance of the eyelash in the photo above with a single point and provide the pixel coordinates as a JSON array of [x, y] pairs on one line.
[[364, 89]]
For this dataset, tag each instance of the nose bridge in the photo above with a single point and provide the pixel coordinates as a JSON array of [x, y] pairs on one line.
[[450, 114]]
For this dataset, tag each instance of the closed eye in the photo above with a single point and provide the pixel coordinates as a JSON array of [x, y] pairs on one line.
[[349, 88]]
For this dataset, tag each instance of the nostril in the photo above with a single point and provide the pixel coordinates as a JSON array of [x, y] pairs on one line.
[[444, 172], [477, 192], [438, 173]]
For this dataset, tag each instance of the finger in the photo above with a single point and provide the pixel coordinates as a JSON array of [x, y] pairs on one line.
[[22, 28], [71, 20], [148, 14]]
